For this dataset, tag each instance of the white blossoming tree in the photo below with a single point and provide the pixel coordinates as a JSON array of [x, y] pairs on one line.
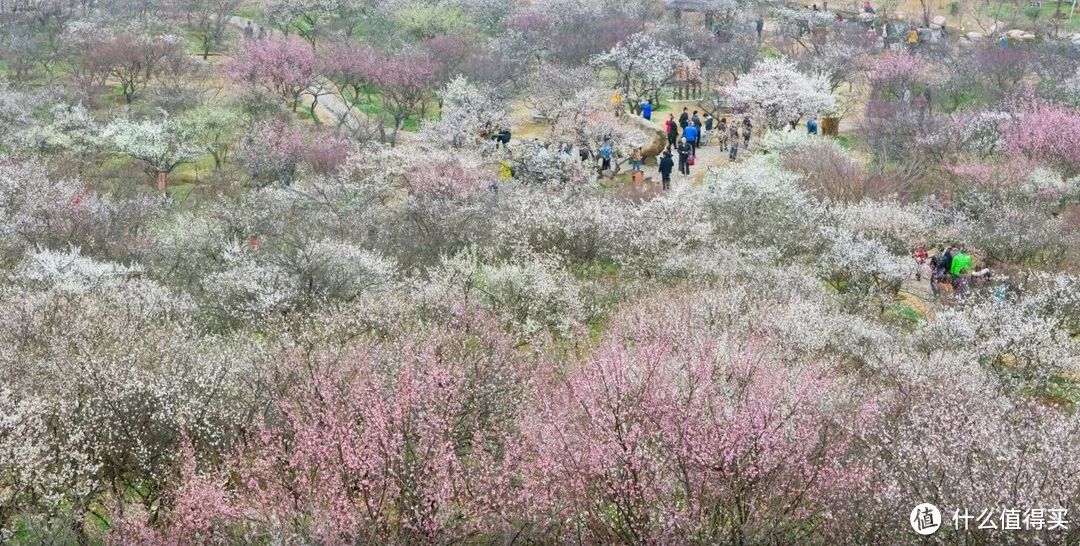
[[643, 65], [160, 144], [468, 110], [778, 94]]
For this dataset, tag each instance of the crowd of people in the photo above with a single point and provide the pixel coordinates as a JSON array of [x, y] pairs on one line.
[[951, 269], [690, 132]]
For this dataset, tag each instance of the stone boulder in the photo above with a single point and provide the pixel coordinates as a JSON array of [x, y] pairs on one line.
[[976, 36], [1014, 34], [938, 20], [658, 140]]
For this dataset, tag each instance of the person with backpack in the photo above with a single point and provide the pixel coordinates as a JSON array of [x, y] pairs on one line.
[[684, 150], [666, 165], [691, 135]]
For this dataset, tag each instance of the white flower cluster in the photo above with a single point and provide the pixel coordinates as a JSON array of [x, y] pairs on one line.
[[778, 94]]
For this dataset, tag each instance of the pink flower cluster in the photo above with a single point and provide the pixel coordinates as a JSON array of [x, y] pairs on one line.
[[665, 433], [1046, 132]]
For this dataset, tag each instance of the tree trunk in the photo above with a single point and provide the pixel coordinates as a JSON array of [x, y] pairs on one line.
[[314, 105]]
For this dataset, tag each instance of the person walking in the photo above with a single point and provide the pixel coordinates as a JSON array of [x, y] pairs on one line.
[[691, 136], [759, 26], [684, 150], [733, 146], [722, 132], [646, 109], [811, 126], [666, 165], [684, 119], [696, 120], [672, 130], [706, 135], [747, 128]]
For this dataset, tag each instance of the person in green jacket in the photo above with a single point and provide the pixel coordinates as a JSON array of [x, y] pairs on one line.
[[961, 264], [960, 270]]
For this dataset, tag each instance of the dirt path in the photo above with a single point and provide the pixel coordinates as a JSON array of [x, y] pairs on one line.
[[707, 157]]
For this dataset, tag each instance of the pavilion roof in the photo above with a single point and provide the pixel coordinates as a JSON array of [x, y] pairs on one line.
[[687, 5]]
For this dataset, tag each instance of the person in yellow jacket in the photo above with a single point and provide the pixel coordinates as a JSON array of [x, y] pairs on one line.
[[617, 102], [912, 38]]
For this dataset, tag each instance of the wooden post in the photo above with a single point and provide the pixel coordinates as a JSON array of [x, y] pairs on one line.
[[162, 177]]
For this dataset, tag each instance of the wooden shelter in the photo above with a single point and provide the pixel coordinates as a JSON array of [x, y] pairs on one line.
[[688, 80]]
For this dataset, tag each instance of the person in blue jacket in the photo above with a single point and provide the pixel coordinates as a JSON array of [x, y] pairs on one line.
[[646, 109], [691, 134], [811, 126], [605, 155]]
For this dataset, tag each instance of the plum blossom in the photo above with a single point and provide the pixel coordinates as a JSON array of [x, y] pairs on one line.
[[778, 94]]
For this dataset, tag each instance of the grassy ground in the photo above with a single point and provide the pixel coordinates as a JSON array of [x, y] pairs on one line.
[[248, 12], [372, 105], [1044, 15]]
